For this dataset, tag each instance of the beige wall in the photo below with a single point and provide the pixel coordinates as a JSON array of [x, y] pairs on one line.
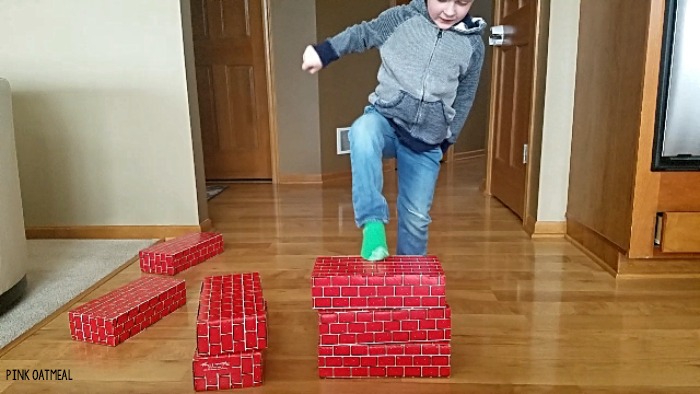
[[293, 27], [559, 110], [345, 85], [473, 135], [101, 111]]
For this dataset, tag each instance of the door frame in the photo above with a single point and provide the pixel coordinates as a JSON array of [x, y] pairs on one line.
[[269, 85], [271, 96], [535, 128]]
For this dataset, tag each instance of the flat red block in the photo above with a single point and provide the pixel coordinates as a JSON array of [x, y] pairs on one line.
[[232, 315], [126, 311], [399, 282], [418, 360], [179, 254], [347, 327], [229, 371]]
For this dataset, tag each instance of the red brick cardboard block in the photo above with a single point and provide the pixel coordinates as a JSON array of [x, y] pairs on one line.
[[384, 326], [232, 315], [229, 371], [180, 253], [124, 312], [403, 282], [380, 361]]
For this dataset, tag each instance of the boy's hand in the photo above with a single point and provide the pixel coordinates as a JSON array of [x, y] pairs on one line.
[[311, 61]]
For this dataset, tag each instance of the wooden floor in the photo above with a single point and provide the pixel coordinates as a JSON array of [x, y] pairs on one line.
[[528, 316]]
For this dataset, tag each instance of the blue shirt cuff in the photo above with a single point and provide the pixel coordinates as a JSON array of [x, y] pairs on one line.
[[326, 53]]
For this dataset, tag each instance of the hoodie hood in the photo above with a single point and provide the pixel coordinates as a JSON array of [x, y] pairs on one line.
[[469, 25]]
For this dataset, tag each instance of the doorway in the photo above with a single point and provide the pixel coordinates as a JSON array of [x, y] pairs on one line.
[[232, 86]]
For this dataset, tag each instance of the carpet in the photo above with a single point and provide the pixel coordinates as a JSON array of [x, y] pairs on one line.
[[214, 190], [58, 271]]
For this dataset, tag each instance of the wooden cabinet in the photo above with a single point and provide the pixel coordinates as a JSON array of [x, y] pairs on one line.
[[679, 232], [614, 197]]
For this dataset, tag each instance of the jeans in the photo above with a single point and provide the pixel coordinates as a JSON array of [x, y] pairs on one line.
[[372, 138]]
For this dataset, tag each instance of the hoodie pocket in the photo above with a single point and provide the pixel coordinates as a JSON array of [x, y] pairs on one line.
[[433, 122], [393, 102], [402, 109], [426, 121]]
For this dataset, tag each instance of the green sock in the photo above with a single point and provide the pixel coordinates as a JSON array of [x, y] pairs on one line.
[[374, 242]]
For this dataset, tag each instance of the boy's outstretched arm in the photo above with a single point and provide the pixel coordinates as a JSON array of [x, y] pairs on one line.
[[466, 91], [355, 39]]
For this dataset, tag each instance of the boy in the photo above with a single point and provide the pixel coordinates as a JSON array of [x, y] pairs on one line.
[[432, 53]]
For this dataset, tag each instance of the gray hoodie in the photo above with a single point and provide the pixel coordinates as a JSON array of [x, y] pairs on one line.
[[428, 77]]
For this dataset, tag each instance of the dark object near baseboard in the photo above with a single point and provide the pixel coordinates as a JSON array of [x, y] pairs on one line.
[[12, 295]]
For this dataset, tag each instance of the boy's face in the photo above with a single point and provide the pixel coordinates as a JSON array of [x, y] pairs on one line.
[[447, 13]]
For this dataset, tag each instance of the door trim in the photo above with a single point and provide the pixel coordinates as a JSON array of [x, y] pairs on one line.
[[536, 112], [532, 177], [490, 140], [271, 95]]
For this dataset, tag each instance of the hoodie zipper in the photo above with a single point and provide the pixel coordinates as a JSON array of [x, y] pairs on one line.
[[425, 76]]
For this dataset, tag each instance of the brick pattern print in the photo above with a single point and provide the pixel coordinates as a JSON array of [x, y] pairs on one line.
[[384, 326], [179, 254], [231, 333], [232, 316], [385, 360], [388, 319], [397, 282], [229, 371], [126, 311]]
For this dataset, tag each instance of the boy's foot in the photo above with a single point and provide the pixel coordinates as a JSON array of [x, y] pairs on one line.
[[374, 242]]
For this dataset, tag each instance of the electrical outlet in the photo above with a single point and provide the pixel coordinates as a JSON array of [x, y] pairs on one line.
[[343, 140]]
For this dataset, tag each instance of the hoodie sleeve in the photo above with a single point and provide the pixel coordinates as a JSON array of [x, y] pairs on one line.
[[363, 36], [466, 91]]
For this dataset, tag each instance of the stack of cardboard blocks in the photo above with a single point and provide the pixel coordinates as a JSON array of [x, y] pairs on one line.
[[231, 333], [130, 309], [384, 319]]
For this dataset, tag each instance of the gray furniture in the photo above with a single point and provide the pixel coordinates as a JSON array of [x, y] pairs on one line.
[[13, 244]]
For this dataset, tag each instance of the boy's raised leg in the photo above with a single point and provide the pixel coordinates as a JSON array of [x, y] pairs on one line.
[[371, 139]]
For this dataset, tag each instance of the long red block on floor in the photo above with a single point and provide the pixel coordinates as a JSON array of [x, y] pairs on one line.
[[126, 311], [229, 371], [180, 253], [378, 361], [384, 326], [397, 282], [232, 315]]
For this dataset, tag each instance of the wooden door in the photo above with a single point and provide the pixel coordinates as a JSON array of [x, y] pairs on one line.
[[232, 87], [511, 103]]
